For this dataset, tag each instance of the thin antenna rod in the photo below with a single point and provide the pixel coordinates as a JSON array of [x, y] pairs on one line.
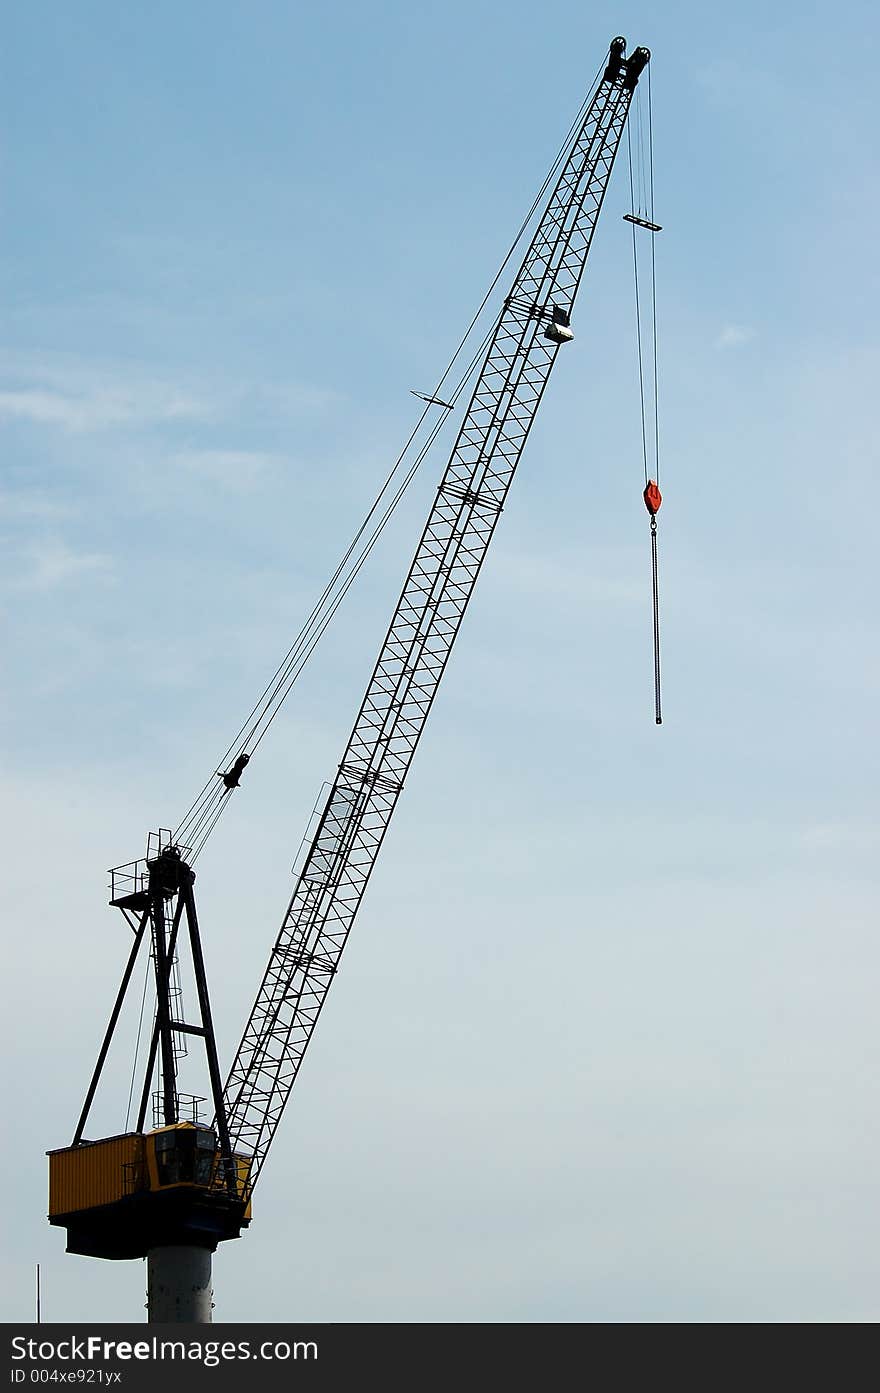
[[38, 1293]]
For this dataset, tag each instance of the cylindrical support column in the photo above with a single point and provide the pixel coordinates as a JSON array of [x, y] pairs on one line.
[[179, 1285]]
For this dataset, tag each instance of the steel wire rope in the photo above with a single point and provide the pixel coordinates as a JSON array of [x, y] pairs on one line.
[[267, 693], [210, 815], [632, 196], [649, 210], [636, 108], [658, 715], [209, 808], [277, 690], [204, 808], [215, 797], [263, 1032], [137, 1044], [641, 146], [653, 284]]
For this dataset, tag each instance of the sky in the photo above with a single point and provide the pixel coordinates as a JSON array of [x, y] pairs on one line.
[[603, 1044]]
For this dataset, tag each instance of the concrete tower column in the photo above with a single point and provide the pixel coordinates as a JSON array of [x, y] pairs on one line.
[[179, 1285]]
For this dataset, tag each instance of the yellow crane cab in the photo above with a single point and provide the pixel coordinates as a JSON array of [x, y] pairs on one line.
[[182, 1154], [120, 1196]]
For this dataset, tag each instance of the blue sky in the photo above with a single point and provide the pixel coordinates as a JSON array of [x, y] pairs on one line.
[[603, 1043]]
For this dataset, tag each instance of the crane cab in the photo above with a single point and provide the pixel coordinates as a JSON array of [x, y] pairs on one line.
[[121, 1196], [183, 1154]]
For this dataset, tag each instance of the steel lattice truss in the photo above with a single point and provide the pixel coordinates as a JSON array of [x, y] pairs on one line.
[[421, 634]]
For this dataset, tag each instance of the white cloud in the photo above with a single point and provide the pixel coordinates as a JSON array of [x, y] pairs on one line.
[[571, 580], [75, 395], [848, 833], [66, 393], [294, 398], [53, 563], [31, 504], [233, 470], [734, 336], [99, 407]]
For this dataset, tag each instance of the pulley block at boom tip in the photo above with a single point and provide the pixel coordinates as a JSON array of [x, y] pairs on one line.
[[631, 67]]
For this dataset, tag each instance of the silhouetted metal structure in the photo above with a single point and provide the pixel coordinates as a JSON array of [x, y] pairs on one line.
[[183, 1187]]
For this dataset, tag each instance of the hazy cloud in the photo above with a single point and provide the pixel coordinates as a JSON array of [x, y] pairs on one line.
[[293, 398], [734, 336], [78, 395], [99, 407], [30, 504], [570, 580], [53, 563], [231, 470]]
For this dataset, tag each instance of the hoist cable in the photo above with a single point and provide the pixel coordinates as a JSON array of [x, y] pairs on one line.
[[274, 694], [137, 1044], [638, 310], [658, 715], [205, 811], [639, 170], [380, 526], [653, 286], [210, 806], [637, 177], [216, 800]]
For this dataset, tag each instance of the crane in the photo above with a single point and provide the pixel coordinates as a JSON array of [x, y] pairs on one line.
[[173, 1192]]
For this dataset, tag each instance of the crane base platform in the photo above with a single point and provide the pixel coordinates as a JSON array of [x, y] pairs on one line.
[[122, 1196], [133, 1226]]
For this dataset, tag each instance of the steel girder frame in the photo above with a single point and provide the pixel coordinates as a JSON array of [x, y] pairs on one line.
[[420, 637]]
